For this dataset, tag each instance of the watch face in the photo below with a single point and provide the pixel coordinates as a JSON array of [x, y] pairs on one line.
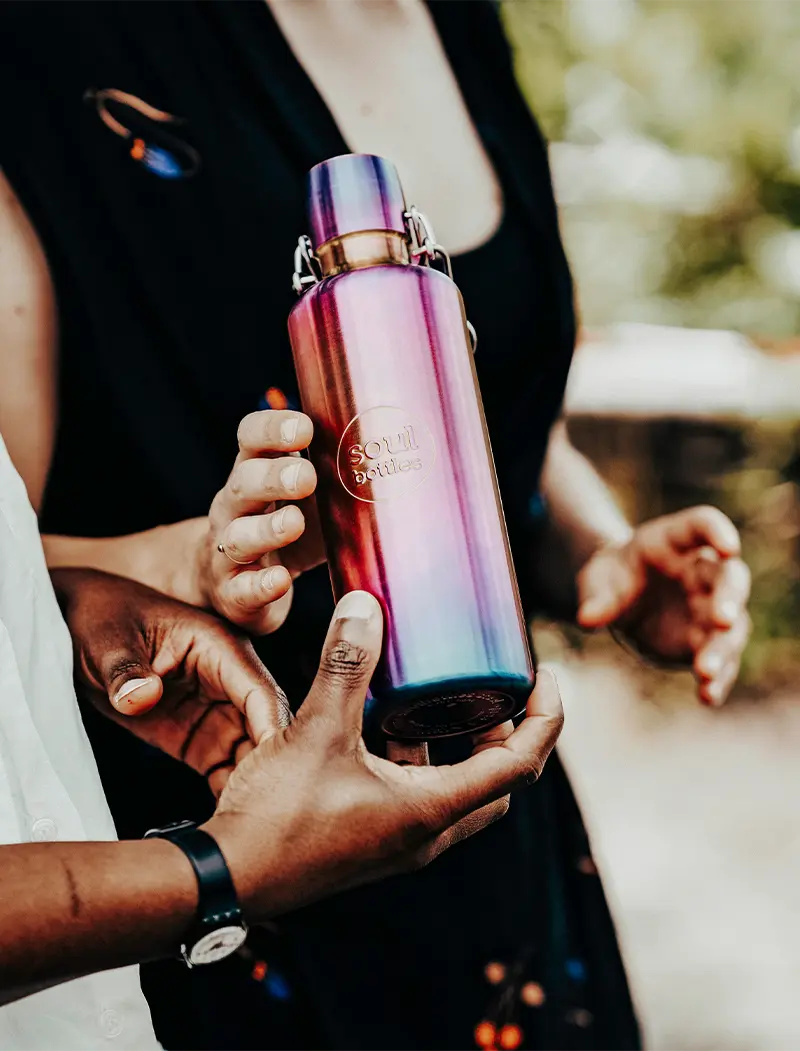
[[216, 945]]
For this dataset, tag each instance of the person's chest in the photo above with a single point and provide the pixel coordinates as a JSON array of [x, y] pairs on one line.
[[208, 116], [382, 71], [177, 136], [205, 254], [187, 275]]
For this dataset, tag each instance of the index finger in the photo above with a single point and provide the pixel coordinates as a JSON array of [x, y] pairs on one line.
[[718, 590], [511, 763], [247, 683], [696, 527], [274, 430]]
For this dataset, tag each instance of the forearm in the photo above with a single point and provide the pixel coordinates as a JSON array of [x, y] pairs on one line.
[[580, 504], [581, 517], [69, 909], [163, 558]]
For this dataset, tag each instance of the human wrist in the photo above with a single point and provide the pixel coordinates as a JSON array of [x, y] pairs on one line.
[[235, 841], [614, 537], [197, 564], [177, 897], [171, 558], [177, 561], [219, 927], [145, 890], [600, 580]]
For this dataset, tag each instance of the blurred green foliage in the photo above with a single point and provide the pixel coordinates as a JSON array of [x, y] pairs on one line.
[[702, 99], [710, 79]]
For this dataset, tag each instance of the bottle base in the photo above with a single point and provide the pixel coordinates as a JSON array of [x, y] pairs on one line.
[[451, 715]]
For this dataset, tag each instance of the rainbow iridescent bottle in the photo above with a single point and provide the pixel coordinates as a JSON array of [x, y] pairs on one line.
[[407, 490]]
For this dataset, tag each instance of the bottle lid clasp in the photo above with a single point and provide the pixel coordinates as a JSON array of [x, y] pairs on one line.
[[423, 249], [306, 266], [422, 244]]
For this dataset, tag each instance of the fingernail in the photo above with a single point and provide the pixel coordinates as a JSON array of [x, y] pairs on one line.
[[278, 521], [712, 664], [356, 605], [268, 578], [589, 612], [290, 474], [728, 611], [732, 537], [289, 430], [128, 688], [714, 693]]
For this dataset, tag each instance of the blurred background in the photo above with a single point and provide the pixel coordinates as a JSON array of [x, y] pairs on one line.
[[675, 132]]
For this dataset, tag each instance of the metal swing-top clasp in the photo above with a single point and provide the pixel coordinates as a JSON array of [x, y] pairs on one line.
[[306, 266], [423, 249], [422, 244]]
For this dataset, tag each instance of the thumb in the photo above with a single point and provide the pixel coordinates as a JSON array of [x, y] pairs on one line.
[[608, 585], [349, 656], [132, 686]]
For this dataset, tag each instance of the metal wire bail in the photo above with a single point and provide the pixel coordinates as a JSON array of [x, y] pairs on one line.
[[473, 336], [306, 266], [423, 246], [425, 249]]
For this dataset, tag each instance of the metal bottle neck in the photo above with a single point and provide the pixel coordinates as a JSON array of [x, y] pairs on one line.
[[358, 250], [355, 251]]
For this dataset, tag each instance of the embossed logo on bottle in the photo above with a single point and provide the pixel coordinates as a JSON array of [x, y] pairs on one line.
[[384, 453]]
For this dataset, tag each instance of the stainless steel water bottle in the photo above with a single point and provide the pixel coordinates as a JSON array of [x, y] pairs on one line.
[[407, 490]]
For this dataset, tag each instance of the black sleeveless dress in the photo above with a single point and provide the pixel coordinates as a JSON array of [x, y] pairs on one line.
[[171, 254]]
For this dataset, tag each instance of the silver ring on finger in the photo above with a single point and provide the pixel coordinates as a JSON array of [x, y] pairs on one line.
[[236, 561]]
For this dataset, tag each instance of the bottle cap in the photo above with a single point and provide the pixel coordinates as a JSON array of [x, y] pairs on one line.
[[354, 193]]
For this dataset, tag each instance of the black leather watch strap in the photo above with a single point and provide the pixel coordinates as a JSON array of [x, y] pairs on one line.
[[218, 907]]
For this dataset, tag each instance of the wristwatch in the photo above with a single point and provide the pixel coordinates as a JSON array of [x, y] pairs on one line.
[[219, 928]]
